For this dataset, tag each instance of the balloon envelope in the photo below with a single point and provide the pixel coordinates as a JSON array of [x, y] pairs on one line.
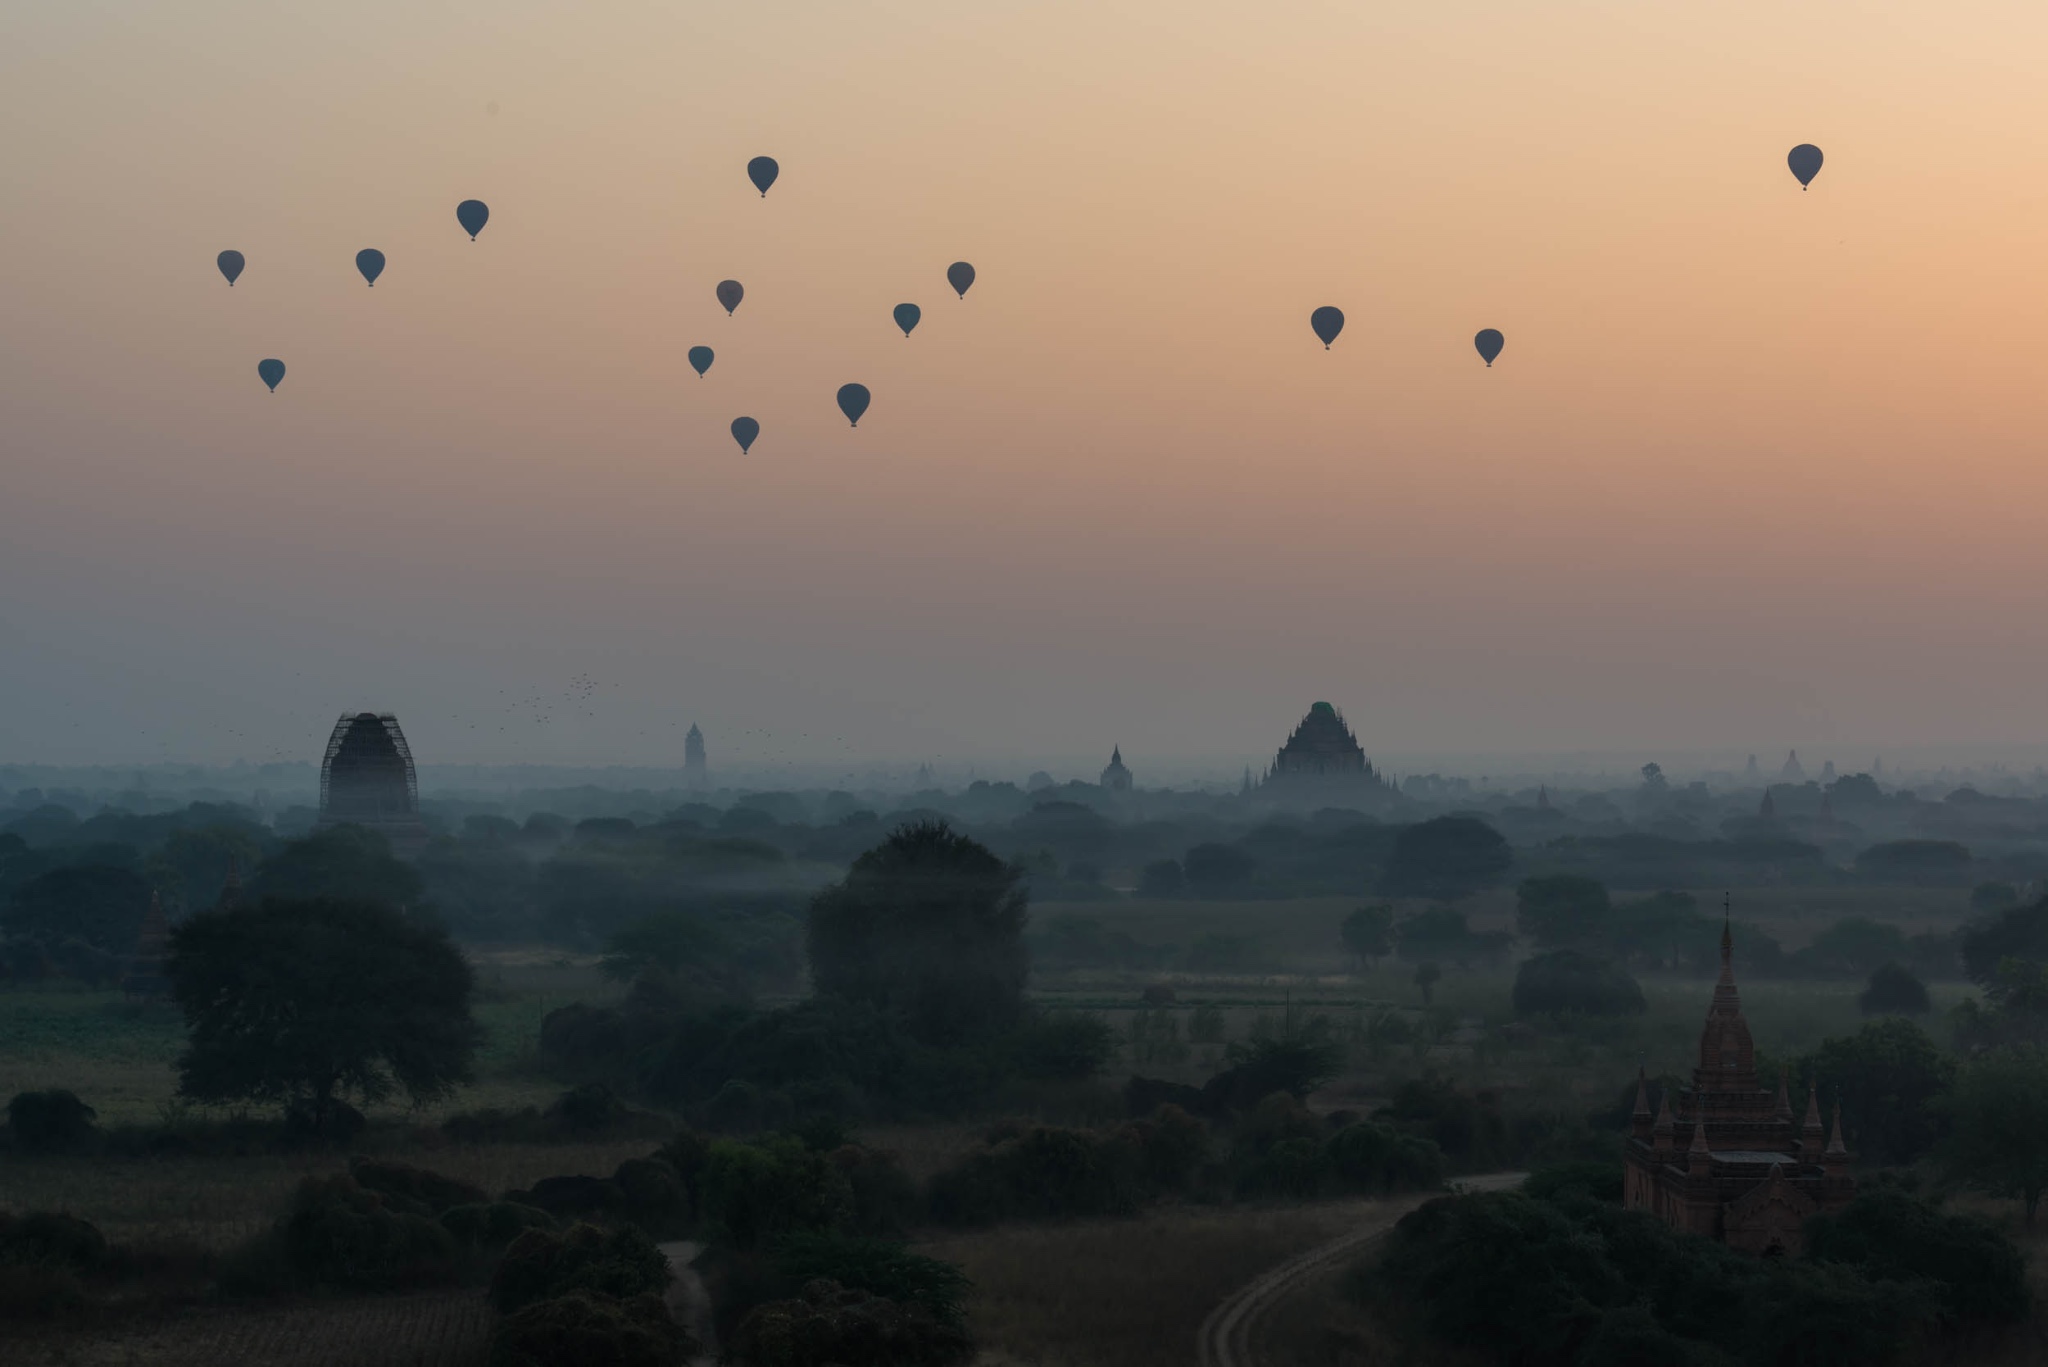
[[700, 359], [370, 262], [744, 430], [270, 372], [907, 316], [730, 292], [472, 214], [960, 275], [853, 401], [1805, 162], [1489, 341], [763, 171], [230, 263], [1327, 322]]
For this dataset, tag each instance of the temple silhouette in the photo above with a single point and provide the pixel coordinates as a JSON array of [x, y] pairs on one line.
[[1728, 1162], [1322, 763], [367, 779]]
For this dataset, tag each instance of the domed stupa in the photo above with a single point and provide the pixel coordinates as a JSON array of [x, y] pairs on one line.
[[367, 779]]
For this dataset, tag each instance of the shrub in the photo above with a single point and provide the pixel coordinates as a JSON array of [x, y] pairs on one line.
[[830, 1323], [1374, 1159], [1043, 1172], [880, 1267], [338, 1234], [1894, 991], [884, 1197], [753, 1193], [1295, 1168], [493, 1224], [1980, 1276], [415, 1185], [1600, 1181], [542, 1265], [592, 1330], [55, 1121], [1067, 1045], [1565, 980], [589, 1109], [53, 1238], [656, 1198]]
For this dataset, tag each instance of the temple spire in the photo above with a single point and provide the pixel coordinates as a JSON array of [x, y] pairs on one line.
[[1783, 1110], [1665, 1126], [1810, 1133], [1837, 1148]]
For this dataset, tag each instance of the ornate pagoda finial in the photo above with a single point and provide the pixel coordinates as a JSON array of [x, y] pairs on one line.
[[1836, 1148], [1783, 1110]]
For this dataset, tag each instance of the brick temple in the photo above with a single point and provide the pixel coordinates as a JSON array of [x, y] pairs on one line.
[[1729, 1162]]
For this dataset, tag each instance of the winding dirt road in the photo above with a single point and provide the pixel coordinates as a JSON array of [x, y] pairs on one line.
[[1226, 1337]]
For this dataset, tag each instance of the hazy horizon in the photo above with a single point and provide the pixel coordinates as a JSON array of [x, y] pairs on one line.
[[1756, 462]]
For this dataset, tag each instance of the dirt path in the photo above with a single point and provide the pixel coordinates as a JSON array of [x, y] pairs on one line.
[[1227, 1336]]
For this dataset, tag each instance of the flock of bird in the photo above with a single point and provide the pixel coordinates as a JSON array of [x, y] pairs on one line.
[[1326, 322], [473, 214]]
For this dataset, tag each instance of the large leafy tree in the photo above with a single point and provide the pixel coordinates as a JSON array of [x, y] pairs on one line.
[[1562, 910], [306, 1002], [2000, 1111], [930, 925], [1446, 857], [348, 862], [1891, 1080], [99, 904]]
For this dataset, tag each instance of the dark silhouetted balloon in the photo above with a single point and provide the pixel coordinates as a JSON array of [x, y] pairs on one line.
[[1489, 341], [907, 316], [472, 214], [763, 171], [230, 264], [960, 275], [1805, 163], [700, 360], [370, 262], [853, 401], [270, 372], [730, 292], [744, 430], [1327, 322]]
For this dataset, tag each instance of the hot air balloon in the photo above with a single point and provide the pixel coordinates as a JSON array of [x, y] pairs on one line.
[[472, 214], [270, 372], [1805, 163], [700, 360], [763, 171], [730, 292], [370, 262], [1489, 341], [853, 401], [230, 263], [960, 275], [744, 430], [1327, 322], [907, 316]]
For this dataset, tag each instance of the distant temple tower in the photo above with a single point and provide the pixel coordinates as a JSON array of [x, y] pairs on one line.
[[1794, 771], [1116, 778], [1727, 1161], [1323, 761], [367, 779], [696, 773]]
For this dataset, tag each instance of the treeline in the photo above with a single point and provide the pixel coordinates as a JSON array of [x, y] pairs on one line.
[[1558, 1277]]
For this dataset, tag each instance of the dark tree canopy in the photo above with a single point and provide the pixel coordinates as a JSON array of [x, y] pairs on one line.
[[1890, 1080], [1563, 909], [2000, 1115], [1565, 980], [2018, 932], [348, 862], [1894, 991], [99, 904], [1369, 931], [1915, 860], [307, 1001], [928, 924], [1449, 856]]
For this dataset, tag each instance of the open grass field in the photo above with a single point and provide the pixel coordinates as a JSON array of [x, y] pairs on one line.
[[430, 1329]]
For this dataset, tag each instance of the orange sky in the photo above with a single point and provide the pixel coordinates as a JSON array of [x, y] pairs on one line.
[[1758, 467]]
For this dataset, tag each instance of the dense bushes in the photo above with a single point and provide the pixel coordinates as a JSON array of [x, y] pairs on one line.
[[830, 1323], [592, 1330], [1566, 981], [339, 1234], [542, 1265], [44, 1258], [1894, 991], [1572, 1281], [55, 1121]]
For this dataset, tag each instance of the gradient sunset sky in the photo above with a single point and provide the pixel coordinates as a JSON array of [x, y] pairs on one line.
[[1758, 467]]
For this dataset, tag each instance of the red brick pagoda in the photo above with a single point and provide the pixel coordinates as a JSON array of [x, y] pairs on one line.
[[1729, 1163]]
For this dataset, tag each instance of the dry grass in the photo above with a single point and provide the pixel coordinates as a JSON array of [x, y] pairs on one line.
[[217, 1202], [1126, 1293], [436, 1329]]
